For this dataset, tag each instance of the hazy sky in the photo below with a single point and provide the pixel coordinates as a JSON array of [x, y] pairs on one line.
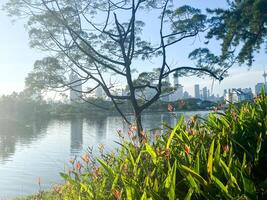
[[16, 58]]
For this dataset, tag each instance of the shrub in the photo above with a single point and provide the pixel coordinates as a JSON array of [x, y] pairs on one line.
[[221, 157]]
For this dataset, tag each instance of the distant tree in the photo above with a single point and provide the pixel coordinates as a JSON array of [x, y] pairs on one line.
[[102, 41], [242, 28]]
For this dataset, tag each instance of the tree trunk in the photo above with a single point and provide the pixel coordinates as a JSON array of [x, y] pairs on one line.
[[138, 120]]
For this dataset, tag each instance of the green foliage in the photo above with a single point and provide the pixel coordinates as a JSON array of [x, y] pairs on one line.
[[241, 27], [23, 107], [222, 157]]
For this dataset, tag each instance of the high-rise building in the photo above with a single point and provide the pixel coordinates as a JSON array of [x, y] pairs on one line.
[[245, 94], [258, 88], [197, 91], [76, 87], [205, 93], [186, 95]]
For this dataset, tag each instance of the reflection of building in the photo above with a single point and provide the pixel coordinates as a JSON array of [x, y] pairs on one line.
[[76, 135], [197, 91], [76, 87]]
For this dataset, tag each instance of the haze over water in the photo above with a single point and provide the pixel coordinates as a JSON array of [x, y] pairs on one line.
[[39, 151]]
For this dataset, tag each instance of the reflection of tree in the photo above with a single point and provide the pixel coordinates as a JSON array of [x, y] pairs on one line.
[[76, 134], [151, 121], [12, 132]]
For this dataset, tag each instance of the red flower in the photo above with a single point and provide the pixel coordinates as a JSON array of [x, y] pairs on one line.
[[187, 150]]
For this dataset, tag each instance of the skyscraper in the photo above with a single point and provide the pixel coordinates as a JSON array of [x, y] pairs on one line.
[[205, 93], [258, 88], [76, 87], [197, 91]]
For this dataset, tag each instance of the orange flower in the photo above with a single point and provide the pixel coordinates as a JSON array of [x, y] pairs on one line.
[[78, 166], [86, 158], [187, 150], [117, 194]]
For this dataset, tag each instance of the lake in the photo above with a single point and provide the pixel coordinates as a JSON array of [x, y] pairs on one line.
[[36, 153]]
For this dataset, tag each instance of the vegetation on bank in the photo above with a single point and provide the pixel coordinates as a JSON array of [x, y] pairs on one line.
[[222, 157], [21, 107]]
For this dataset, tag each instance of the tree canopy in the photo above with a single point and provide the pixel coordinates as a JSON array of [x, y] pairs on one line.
[[242, 28], [102, 42]]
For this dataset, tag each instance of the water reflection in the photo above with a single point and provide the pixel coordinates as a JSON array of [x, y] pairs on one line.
[[76, 135], [28, 151], [13, 132]]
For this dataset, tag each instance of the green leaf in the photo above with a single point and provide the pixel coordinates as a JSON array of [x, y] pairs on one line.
[[189, 194], [217, 153], [170, 182], [144, 197], [115, 182], [192, 182], [131, 157], [196, 168], [129, 193], [88, 190], [194, 174], [229, 175], [107, 168], [174, 131], [152, 153], [221, 187], [249, 187], [210, 159], [244, 163]]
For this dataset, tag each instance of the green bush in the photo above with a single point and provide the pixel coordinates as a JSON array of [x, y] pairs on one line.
[[221, 157]]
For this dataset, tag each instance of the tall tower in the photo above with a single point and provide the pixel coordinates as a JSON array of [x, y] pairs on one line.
[[205, 93], [76, 85], [197, 92]]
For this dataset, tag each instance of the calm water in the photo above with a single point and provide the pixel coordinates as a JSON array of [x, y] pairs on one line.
[[39, 151]]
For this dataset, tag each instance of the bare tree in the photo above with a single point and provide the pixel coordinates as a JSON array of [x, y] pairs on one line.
[[101, 41]]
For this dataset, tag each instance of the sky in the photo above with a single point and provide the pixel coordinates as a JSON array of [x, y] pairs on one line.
[[17, 58]]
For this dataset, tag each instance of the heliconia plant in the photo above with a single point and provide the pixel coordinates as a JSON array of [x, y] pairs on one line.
[[221, 157]]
